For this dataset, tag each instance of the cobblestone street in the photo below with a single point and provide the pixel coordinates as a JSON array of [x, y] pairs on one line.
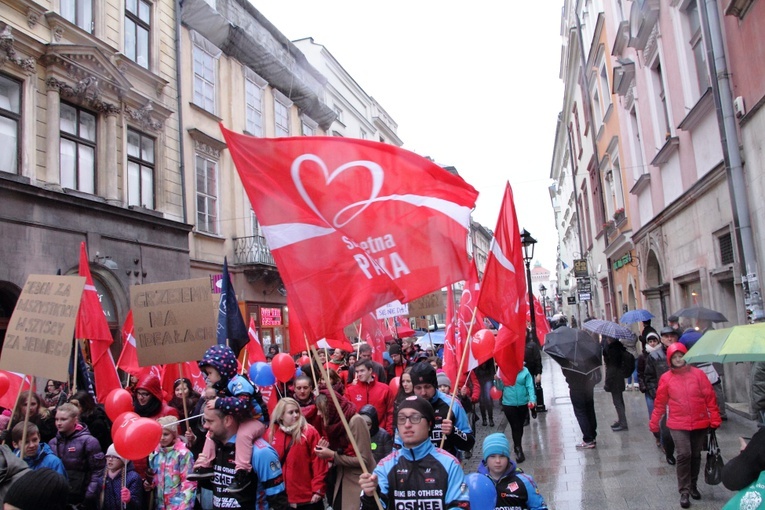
[[625, 471]]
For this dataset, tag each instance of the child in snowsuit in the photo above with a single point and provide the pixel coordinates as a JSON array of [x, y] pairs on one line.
[[515, 489], [170, 464]]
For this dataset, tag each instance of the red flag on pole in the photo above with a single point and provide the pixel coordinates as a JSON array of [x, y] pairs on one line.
[[191, 371], [253, 348], [18, 382], [353, 224], [451, 353], [374, 335], [503, 290], [128, 360], [91, 325], [540, 319]]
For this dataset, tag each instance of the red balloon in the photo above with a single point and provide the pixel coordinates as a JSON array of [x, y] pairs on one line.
[[304, 360], [139, 439], [121, 423], [118, 401], [394, 384], [495, 393], [4, 384], [482, 345], [283, 367]]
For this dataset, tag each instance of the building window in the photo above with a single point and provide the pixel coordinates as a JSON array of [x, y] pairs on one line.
[[363, 135], [281, 119], [10, 119], [78, 149], [726, 249], [338, 113], [696, 41], [204, 79], [137, 28], [307, 130], [605, 90], [79, 12], [308, 126], [637, 145], [207, 195], [663, 125], [597, 111], [140, 152], [254, 100]]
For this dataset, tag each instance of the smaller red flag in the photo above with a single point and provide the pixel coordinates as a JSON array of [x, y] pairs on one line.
[[18, 382], [253, 350], [191, 371], [374, 335], [540, 321], [128, 360], [509, 348]]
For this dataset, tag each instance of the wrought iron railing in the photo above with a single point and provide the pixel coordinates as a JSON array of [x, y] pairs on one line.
[[252, 250]]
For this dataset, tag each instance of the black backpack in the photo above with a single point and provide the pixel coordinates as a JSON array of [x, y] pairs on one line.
[[628, 364]]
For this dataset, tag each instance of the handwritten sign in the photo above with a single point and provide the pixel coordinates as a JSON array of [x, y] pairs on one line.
[[39, 336], [429, 304], [174, 321], [392, 309]]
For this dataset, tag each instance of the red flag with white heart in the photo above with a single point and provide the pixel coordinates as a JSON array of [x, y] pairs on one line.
[[354, 224]]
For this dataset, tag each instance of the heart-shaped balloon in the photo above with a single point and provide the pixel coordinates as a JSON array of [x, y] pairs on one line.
[[482, 345], [139, 439]]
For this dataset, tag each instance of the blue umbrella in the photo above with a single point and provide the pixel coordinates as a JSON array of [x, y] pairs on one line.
[[638, 315], [608, 328]]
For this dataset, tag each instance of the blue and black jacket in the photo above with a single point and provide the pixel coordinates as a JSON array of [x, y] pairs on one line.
[[419, 477], [515, 489], [462, 437]]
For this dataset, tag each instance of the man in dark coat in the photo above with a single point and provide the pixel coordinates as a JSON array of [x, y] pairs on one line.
[[613, 357]]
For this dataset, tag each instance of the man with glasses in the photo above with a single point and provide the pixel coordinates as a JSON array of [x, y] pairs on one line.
[[419, 475]]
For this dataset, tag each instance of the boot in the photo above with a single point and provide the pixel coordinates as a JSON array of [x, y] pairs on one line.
[[483, 417], [684, 501], [491, 420], [519, 456], [695, 494]]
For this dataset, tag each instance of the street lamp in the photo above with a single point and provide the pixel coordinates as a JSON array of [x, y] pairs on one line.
[[543, 293], [528, 243]]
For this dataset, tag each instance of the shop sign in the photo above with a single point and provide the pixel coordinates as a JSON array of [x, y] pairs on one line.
[[270, 316], [580, 268], [620, 263], [571, 300]]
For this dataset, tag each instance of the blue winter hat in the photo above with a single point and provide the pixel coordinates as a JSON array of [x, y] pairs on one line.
[[496, 444]]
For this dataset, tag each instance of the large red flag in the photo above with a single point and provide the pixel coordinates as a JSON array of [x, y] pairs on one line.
[[374, 335], [191, 371], [18, 382], [128, 360], [91, 325], [353, 224], [503, 290], [336, 340]]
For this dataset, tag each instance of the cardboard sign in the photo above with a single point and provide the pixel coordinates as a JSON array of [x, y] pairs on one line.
[[174, 321], [429, 304], [39, 336], [392, 309]]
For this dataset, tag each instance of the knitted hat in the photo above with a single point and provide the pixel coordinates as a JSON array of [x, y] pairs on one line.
[[112, 452], [387, 358], [652, 335], [424, 373], [420, 405], [496, 444], [394, 349], [41, 488], [443, 380]]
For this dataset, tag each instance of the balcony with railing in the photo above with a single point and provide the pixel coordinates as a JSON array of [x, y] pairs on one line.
[[253, 250]]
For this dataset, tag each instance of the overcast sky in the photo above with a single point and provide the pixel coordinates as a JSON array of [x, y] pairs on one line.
[[473, 85]]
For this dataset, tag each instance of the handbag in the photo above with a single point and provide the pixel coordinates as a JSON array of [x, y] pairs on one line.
[[714, 466]]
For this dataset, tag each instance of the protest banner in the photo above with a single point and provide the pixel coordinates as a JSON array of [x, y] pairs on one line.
[[392, 309], [173, 321], [39, 336], [429, 304]]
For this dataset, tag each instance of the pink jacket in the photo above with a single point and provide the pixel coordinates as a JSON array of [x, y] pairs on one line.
[[691, 399]]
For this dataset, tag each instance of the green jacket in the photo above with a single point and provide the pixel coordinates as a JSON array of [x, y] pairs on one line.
[[522, 393]]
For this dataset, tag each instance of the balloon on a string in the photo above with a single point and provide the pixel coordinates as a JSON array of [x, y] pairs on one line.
[[5, 383], [394, 384], [118, 401], [139, 439], [120, 424], [298, 372], [283, 367], [304, 360], [482, 345], [495, 393], [481, 491], [261, 374]]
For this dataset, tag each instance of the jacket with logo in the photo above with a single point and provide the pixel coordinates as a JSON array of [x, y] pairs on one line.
[[419, 477], [462, 437], [376, 393], [515, 489]]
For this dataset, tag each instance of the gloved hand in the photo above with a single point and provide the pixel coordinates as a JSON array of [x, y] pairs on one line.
[[125, 495]]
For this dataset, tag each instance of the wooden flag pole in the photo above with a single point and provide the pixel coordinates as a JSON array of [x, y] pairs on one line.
[[183, 397], [358, 346], [74, 366], [313, 372], [124, 483], [23, 444], [347, 427], [244, 361], [459, 370]]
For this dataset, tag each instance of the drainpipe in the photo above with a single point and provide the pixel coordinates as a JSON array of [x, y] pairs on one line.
[[578, 214], [718, 69], [181, 150]]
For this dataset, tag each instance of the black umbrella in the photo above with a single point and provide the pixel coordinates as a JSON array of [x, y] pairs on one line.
[[699, 312], [574, 349]]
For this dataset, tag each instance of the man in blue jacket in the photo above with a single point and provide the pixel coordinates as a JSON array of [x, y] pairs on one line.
[[36, 454], [419, 475]]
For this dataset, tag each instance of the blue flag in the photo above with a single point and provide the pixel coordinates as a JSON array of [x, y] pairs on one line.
[[565, 266], [231, 325]]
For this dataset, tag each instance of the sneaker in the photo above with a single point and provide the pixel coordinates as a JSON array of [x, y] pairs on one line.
[[240, 482], [586, 446], [695, 494], [619, 428], [671, 460], [200, 473], [684, 501]]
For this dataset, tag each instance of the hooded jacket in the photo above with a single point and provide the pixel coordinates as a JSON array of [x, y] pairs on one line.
[[171, 466], [84, 462], [519, 394], [376, 393], [151, 383], [382, 443], [112, 488], [234, 391], [690, 396], [45, 458], [515, 489], [304, 472]]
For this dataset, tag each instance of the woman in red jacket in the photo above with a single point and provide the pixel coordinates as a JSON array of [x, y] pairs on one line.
[[295, 441], [692, 410]]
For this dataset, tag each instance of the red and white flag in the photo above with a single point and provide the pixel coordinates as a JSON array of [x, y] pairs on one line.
[[91, 325], [503, 290], [451, 353], [128, 360], [540, 321], [298, 340], [172, 372], [354, 224], [374, 335], [18, 382], [253, 350]]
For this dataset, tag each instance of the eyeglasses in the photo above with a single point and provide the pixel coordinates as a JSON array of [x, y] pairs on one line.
[[142, 394], [414, 419]]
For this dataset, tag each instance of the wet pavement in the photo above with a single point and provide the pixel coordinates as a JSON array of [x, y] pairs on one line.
[[625, 471]]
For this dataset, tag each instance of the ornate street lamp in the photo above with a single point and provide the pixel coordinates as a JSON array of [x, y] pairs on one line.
[[528, 243]]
